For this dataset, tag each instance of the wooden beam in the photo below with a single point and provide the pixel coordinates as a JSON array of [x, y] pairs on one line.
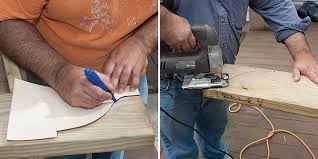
[[126, 126], [12, 71], [268, 89]]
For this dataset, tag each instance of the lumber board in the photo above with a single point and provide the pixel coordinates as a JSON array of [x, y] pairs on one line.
[[126, 126], [268, 89], [12, 71]]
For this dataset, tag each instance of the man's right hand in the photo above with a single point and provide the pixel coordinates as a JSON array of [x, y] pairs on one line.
[[76, 90], [176, 31]]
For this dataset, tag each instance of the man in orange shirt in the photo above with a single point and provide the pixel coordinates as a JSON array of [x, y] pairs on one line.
[[55, 39]]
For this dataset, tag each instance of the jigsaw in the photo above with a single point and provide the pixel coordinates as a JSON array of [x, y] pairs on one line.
[[202, 66]]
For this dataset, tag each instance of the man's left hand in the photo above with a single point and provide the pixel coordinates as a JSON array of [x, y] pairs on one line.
[[307, 65], [127, 59]]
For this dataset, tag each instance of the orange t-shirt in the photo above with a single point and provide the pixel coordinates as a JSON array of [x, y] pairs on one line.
[[84, 32]]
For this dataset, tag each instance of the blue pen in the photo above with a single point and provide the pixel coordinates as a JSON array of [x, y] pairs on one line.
[[94, 79]]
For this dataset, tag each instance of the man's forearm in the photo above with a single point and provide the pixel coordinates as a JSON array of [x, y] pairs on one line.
[[297, 45], [22, 43], [304, 61], [148, 34]]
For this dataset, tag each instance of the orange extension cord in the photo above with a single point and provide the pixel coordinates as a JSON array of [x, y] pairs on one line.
[[270, 134]]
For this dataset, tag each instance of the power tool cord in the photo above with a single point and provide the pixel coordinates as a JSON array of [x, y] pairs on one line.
[[195, 130], [270, 134]]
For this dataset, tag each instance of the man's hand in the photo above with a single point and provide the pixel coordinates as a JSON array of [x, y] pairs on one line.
[[75, 89], [128, 58], [305, 63], [176, 31]]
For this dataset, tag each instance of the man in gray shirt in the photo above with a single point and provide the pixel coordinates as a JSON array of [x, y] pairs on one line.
[[227, 17]]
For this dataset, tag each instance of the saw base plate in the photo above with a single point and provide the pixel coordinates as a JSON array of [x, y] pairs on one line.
[[205, 81]]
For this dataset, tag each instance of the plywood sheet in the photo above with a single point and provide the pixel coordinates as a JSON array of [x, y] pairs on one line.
[[269, 89], [38, 112]]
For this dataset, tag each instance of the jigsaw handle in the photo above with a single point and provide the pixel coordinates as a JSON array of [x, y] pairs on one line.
[[205, 35]]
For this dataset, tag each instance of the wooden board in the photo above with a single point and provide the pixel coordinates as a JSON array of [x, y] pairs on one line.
[[269, 89], [125, 127], [4, 88], [12, 71]]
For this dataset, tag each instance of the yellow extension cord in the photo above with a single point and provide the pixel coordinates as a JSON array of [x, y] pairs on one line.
[[270, 134]]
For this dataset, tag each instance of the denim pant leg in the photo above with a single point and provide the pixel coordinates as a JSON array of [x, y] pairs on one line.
[[211, 122], [177, 140], [143, 89]]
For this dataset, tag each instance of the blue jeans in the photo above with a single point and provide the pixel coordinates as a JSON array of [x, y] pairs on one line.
[[209, 116], [143, 89]]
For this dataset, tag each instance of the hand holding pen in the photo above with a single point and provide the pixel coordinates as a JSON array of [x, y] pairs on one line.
[[94, 79]]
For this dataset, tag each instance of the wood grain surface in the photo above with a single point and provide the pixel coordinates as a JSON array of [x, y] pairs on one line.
[[269, 89], [125, 127], [12, 71], [248, 125]]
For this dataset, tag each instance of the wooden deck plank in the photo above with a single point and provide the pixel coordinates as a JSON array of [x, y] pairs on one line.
[[260, 45], [296, 126], [277, 150], [248, 125], [125, 127], [248, 156]]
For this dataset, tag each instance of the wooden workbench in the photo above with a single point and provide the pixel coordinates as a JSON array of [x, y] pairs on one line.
[[126, 126]]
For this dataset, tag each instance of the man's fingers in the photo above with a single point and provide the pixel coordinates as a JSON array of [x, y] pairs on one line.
[[311, 74], [179, 46], [192, 41], [89, 101], [115, 76], [97, 93], [106, 80], [296, 74], [83, 105], [314, 77], [124, 77], [135, 79], [108, 68], [174, 46], [186, 46]]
